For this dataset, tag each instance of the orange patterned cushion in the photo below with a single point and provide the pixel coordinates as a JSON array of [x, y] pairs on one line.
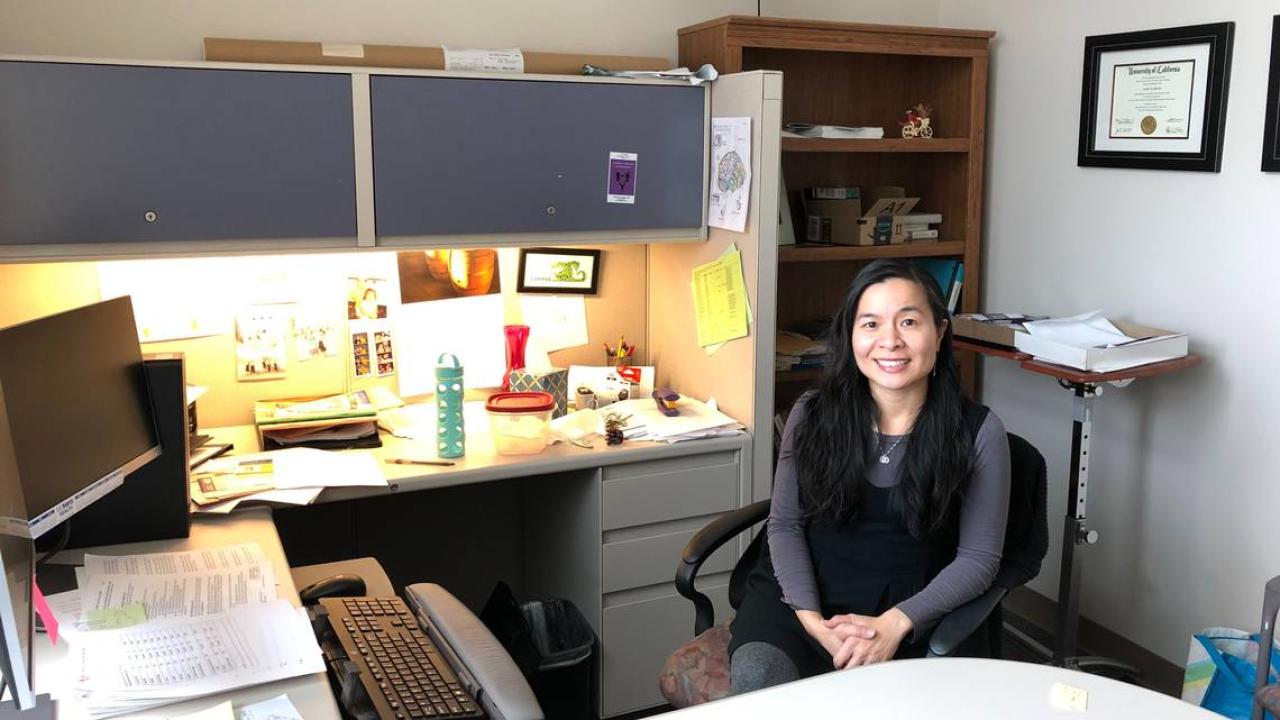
[[1269, 696], [698, 671]]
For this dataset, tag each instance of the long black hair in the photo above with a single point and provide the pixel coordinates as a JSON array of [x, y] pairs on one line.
[[836, 443]]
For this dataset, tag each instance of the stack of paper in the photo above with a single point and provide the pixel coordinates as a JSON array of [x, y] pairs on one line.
[[793, 351], [810, 130], [158, 628], [696, 420], [297, 476], [170, 660]]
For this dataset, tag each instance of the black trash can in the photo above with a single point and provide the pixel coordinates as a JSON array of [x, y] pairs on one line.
[[552, 644]]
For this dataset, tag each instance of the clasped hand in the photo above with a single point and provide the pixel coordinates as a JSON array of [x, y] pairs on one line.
[[855, 640]]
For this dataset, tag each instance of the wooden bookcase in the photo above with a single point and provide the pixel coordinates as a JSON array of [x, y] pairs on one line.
[[866, 75]]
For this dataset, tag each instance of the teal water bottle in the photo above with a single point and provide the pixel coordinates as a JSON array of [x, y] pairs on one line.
[[451, 440]]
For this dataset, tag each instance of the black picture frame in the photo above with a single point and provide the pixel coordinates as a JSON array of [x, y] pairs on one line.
[[1207, 157], [535, 261], [1271, 129]]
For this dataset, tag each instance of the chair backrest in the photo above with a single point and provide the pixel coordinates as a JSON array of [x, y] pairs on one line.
[[738, 578], [1026, 535]]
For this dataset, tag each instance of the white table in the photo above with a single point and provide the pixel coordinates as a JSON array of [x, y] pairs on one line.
[[952, 688], [310, 693]]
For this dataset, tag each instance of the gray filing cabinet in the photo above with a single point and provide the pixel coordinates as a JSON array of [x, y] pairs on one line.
[[93, 154], [650, 510], [463, 156]]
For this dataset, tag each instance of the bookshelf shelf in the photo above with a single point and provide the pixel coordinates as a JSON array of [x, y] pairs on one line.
[[885, 145], [862, 75], [797, 376], [828, 253]]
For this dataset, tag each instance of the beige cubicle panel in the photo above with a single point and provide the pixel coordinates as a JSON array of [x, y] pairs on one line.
[[740, 375]]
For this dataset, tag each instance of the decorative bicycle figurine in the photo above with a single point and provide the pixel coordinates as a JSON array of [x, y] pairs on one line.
[[915, 122]]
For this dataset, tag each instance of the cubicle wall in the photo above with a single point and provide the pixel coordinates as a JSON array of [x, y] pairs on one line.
[[740, 375]]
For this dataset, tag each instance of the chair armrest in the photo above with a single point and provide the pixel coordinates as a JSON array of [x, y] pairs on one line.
[[709, 539], [960, 623]]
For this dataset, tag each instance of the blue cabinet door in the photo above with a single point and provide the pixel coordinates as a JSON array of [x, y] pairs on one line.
[[478, 156], [110, 153]]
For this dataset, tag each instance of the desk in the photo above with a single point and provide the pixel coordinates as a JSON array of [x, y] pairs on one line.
[[54, 670], [1085, 386], [952, 688], [601, 527]]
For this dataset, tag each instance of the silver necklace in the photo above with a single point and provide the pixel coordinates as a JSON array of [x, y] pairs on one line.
[[884, 454]]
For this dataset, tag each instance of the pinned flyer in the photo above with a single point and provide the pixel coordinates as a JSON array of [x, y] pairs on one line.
[[622, 178], [730, 190]]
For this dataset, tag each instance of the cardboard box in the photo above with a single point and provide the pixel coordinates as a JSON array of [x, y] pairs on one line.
[[554, 381], [1151, 345], [833, 222], [994, 328], [403, 56], [882, 223]]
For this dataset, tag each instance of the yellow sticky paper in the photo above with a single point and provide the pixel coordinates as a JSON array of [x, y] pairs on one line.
[[112, 618], [720, 300], [1069, 697]]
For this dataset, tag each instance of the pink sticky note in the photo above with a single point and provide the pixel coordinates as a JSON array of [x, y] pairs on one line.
[[45, 612]]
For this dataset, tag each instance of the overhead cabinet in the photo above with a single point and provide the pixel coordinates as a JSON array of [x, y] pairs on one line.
[[98, 154], [465, 156]]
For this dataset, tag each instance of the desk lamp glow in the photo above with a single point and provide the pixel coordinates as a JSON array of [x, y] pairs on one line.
[[75, 418]]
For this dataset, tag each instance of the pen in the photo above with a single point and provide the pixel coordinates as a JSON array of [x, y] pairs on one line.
[[407, 461]]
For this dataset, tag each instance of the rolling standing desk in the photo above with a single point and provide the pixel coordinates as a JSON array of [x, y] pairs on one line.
[[1075, 531]]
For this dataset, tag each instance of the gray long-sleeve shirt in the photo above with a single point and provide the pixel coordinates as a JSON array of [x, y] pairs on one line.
[[983, 512]]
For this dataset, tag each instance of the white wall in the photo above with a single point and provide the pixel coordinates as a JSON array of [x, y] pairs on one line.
[[174, 30], [1183, 484]]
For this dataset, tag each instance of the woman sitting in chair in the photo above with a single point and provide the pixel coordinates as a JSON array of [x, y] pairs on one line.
[[890, 498]]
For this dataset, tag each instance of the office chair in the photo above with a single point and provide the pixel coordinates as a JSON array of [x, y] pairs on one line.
[[698, 671], [1267, 696]]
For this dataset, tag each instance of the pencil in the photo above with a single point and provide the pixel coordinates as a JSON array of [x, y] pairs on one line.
[[407, 461]]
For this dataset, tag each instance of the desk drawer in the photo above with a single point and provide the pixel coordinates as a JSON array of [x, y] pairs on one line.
[[653, 560], [650, 492]]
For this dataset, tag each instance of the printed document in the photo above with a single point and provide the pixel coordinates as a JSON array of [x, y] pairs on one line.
[[195, 583], [176, 659], [730, 173], [720, 300]]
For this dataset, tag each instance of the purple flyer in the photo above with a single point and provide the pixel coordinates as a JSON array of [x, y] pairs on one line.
[[622, 178]]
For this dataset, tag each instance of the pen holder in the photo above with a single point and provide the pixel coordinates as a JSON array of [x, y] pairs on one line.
[[611, 359], [451, 439]]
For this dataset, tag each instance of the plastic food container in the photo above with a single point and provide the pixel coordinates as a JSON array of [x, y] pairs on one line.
[[520, 422]]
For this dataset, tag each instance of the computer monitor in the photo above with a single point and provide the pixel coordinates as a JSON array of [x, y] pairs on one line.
[[75, 418], [78, 406], [17, 564]]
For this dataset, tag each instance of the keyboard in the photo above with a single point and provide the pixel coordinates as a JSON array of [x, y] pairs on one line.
[[403, 672]]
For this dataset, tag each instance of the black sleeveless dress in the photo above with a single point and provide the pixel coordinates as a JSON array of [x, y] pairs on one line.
[[865, 567]]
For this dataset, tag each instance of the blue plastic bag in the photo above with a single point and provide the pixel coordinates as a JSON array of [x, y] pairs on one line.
[[1220, 672]]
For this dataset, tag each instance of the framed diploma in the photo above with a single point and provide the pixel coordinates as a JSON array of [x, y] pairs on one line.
[[1271, 131], [1156, 98]]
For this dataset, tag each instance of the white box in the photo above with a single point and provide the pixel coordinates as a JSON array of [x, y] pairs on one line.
[[1151, 345]]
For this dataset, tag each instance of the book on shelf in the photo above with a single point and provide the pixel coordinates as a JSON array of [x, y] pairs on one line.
[[813, 130], [832, 193], [920, 219], [949, 274], [919, 234]]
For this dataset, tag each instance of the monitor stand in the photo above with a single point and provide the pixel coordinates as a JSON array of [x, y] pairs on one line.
[[45, 709]]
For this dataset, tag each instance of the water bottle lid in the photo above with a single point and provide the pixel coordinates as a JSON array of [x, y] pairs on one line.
[[448, 372]]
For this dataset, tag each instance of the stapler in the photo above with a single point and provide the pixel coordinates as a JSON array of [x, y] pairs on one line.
[[666, 401]]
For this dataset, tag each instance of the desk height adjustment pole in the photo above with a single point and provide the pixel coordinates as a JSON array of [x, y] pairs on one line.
[[1075, 531]]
